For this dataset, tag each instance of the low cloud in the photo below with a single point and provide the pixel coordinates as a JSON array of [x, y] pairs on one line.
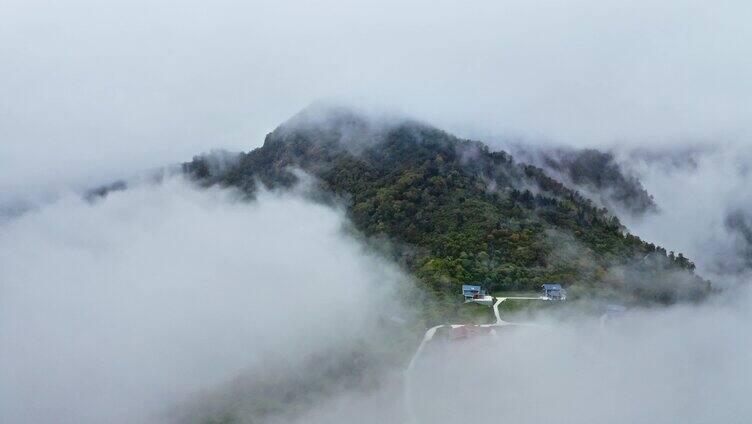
[[117, 310], [166, 303], [680, 364], [702, 197]]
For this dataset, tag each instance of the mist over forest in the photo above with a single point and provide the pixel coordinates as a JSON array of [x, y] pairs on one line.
[[265, 212]]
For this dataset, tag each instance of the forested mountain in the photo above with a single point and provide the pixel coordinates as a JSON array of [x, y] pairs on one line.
[[457, 212]]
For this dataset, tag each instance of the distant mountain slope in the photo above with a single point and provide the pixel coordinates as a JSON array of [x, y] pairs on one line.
[[596, 174], [459, 212]]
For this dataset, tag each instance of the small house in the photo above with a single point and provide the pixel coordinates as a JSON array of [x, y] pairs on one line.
[[554, 292], [471, 292]]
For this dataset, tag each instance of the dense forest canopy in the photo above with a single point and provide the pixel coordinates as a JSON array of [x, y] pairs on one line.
[[457, 211]]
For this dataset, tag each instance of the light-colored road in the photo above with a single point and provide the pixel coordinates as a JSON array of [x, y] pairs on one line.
[[500, 300], [429, 336]]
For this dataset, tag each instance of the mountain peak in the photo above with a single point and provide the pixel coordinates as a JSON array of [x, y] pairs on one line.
[[353, 128], [462, 212]]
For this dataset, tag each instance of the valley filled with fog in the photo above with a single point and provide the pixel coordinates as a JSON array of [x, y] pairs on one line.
[[163, 302], [150, 272]]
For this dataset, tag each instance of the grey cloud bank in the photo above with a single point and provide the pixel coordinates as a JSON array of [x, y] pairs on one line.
[[118, 310], [681, 364], [91, 90], [704, 201]]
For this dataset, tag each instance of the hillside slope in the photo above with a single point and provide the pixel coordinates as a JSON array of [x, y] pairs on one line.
[[457, 211], [594, 173]]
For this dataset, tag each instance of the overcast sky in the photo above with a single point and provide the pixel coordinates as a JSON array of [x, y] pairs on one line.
[[91, 90]]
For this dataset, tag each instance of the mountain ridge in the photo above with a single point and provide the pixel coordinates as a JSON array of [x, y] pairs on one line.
[[466, 212]]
